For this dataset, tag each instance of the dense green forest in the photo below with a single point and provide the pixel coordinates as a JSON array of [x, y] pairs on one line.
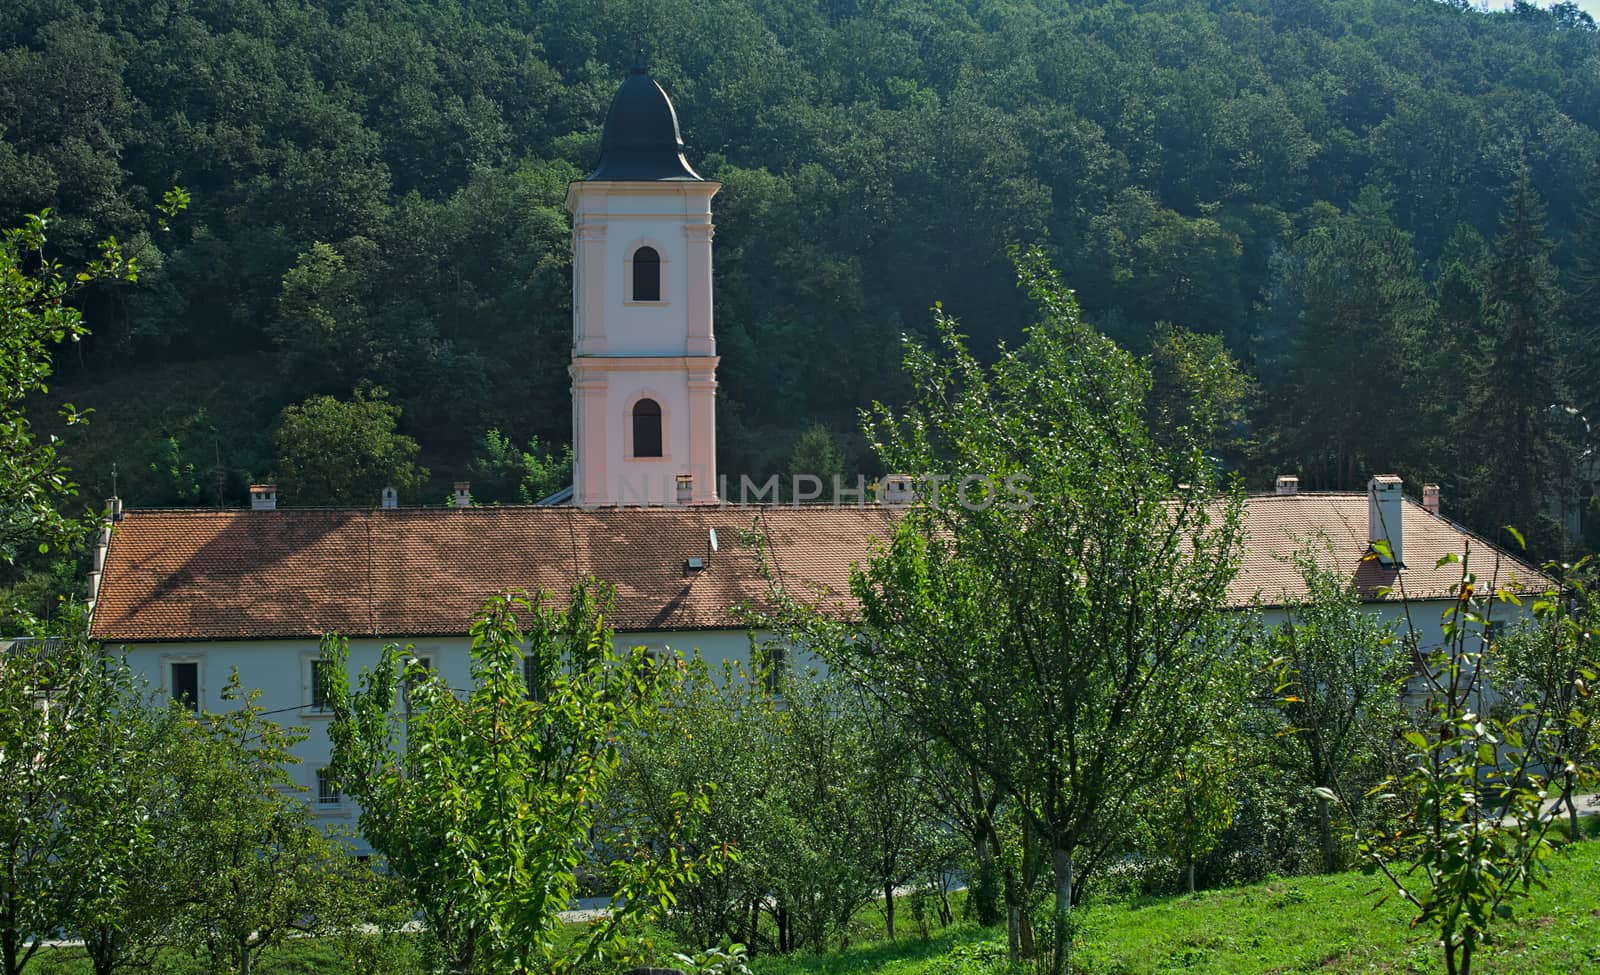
[[1387, 210]]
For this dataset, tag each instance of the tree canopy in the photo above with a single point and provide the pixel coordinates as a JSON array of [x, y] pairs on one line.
[[378, 196]]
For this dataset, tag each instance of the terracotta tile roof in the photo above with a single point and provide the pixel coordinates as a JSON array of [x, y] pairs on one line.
[[1279, 526], [417, 572]]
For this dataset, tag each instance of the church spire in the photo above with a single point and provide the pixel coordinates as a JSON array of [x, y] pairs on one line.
[[641, 140]]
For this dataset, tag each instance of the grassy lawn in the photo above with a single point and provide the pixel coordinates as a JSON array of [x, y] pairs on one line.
[[1330, 925], [1325, 925]]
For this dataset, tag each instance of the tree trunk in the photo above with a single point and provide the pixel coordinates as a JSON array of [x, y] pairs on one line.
[[1061, 861], [986, 891], [1013, 917], [1325, 831], [888, 908], [101, 947], [8, 950], [1576, 832], [755, 923], [1191, 875]]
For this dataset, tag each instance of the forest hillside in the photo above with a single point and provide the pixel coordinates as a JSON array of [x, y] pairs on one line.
[[1373, 226]]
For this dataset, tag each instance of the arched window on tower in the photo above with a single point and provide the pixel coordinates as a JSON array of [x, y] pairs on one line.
[[646, 274], [647, 428]]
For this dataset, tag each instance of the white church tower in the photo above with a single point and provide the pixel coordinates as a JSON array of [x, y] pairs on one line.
[[644, 360]]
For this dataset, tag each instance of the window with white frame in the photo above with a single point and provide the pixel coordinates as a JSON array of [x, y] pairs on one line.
[[316, 693], [183, 683], [327, 794]]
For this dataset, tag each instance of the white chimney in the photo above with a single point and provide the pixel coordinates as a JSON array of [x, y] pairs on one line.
[[1430, 498], [391, 497], [263, 497], [685, 488], [463, 491], [897, 490], [1288, 484], [1385, 504]]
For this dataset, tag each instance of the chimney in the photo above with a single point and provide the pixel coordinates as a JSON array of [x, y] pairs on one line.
[[1288, 484], [1430, 499], [263, 497], [1385, 504], [685, 488], [463, 493], [391, 497], [897, 490]]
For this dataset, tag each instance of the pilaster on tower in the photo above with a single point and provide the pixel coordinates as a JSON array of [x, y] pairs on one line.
[[644, 351]]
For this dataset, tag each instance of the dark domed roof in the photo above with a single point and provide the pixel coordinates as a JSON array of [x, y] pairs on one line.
[[641, 139]]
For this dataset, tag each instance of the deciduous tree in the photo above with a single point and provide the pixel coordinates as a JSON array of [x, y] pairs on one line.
[[484, 803], [344, 452], [1063, 641], [1339, 670]]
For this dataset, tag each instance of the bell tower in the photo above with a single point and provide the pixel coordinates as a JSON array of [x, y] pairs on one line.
[[644, 358]]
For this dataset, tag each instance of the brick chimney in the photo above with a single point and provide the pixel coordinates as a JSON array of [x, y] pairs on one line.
[[263, 497], [463, 491], [1385, 506], [1430, 498], [1288, 484]]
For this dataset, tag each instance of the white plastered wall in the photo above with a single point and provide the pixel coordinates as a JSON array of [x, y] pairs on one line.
[[281, 671]]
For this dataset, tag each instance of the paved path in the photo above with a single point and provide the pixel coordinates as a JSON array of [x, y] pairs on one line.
[[1588, 805]]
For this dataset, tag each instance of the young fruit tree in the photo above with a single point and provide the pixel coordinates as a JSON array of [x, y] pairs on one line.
[[1338, 672], [66, 827], [1551, 662], [484, 801], [247, 866], [1477, 816], [1051, 608]]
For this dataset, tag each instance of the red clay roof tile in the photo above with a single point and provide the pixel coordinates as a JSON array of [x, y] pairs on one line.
[[414, 572]]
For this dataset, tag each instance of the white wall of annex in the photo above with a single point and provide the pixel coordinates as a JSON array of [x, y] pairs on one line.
[[281, 671]]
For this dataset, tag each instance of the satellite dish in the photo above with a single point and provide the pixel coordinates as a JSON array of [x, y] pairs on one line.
[[711, 538]]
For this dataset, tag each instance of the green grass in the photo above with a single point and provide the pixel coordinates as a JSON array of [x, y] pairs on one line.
[[1331, 925], [1324, 925]]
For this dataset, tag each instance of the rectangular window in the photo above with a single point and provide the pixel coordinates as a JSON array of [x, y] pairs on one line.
[[185, 684], [319, 698], [327, 795], [774, 665], [425, 663], [531, 678]]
